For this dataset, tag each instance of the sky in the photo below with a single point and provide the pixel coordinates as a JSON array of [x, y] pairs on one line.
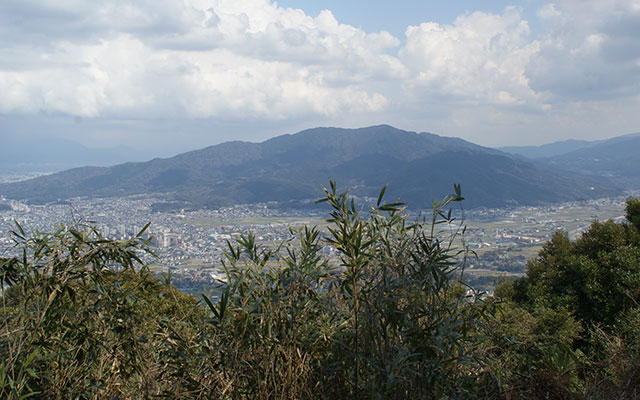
[[173, 75]]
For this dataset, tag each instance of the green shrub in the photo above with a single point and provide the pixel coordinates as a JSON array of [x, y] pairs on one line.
[[595, 282], [389, 321], [79, 322]]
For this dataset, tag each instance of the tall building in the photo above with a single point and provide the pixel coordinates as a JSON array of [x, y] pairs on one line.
[[170, 239]]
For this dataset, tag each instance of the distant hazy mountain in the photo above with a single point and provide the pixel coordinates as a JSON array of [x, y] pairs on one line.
[[617, 159], [417, 167], [550, 149], [55, 154]]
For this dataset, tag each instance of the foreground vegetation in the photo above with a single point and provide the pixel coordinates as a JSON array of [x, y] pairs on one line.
[[81, 319]]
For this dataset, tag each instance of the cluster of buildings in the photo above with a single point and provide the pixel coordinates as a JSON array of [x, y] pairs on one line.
[[191, 244]]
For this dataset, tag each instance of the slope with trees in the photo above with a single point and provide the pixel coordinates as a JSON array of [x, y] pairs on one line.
[[587, 292]]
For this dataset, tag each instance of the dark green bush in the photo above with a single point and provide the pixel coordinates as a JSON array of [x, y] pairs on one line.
[[594, 283], [79, 322]]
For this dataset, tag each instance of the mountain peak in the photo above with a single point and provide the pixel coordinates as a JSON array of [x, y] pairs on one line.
[[417, 167]]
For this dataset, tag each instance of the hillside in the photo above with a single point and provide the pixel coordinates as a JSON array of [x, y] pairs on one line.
[[417, 166], [549, 149], [617, 159]]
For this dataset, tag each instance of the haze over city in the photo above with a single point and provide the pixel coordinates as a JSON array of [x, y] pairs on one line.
[[169, 76]]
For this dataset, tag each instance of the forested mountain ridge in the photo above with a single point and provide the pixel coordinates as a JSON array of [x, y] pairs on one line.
[[417, 166], [548, 149], [617, 159]]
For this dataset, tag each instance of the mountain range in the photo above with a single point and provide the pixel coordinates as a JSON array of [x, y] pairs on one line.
[[616, 159], [549, 149], [55, 154], [290, 169]]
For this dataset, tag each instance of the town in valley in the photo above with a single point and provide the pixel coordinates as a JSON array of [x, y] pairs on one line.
[[190, 244]]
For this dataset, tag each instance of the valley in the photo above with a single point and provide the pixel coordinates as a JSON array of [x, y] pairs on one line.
[[191, 243], [199, 200]]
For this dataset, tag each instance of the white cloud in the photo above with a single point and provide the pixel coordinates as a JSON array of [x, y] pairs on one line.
[[479, 59], [239, 60], [590, 51], [201, 59]]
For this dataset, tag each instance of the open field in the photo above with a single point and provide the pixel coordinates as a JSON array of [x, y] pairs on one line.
[[503, 239], [256, 221], [534, 225]]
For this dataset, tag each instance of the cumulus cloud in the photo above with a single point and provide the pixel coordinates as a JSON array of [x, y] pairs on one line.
[[590, 50], [201, 59], [233, 60], [479, 59]]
